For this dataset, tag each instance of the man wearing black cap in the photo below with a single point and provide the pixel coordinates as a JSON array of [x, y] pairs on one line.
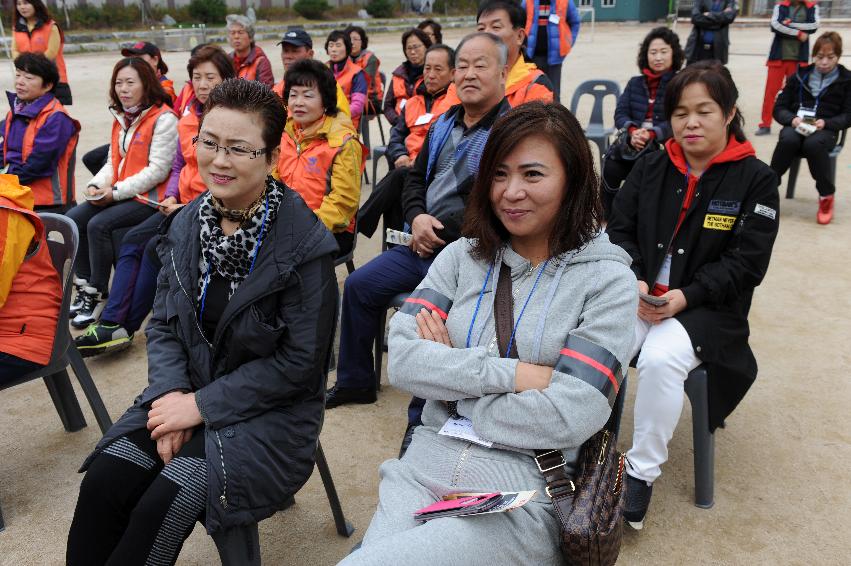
[[295, 46], [150, 53]]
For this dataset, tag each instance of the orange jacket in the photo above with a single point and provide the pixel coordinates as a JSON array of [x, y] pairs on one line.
[[184, 99], [564, 11], [342, 101], [325, 167], [30, 290], [60, 187], [400, 90], [190, 184], [136, 158], [525, 82], [168, 87], [36, 42], [375, 88], [344, 81], [419, 121]]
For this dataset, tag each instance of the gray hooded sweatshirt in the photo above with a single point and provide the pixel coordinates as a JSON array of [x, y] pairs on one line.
[[579, 320]]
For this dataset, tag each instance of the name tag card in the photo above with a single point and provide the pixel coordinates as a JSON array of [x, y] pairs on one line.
[[462, 428], [554, 19], [424, 119]]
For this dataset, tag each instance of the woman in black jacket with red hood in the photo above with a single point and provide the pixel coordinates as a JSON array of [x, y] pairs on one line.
[[817, 99], [699, 221]]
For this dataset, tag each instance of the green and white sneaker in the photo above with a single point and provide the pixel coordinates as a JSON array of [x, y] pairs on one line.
[[100, 338]]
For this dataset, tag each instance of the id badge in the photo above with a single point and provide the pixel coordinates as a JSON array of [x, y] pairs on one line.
[[664, 277], [462, 428], [808, 115], [424, 119], [554, 19]]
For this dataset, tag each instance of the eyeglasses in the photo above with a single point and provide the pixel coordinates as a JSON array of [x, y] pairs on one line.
[[414, 47], [234, 150]]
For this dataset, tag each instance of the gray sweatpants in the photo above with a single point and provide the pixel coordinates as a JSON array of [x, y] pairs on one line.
[[435, 466]]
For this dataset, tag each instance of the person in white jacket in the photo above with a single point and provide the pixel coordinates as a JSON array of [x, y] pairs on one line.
[[127, 188], [543, 377]]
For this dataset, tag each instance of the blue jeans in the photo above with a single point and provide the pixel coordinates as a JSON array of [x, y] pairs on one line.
[[12, 367], [366, 294]]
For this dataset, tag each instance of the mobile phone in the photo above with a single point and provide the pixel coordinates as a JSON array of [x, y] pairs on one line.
[[653, 300], [91, 197]]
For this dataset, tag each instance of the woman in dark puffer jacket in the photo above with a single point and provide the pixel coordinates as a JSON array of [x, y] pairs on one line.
[[641, 107]]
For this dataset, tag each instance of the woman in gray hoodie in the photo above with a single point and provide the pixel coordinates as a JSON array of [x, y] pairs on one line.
[[532, 231]]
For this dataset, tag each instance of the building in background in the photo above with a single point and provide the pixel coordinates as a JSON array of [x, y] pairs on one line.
[[626, 10]]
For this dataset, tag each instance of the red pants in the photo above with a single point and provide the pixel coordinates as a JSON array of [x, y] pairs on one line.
[[777, 73]]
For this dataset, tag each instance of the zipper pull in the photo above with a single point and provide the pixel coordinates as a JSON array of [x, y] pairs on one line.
[[223, 500], [603, 447]]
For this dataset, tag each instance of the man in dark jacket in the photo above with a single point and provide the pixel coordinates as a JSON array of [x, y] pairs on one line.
[[709, 38], [792, 22], [433, 201]]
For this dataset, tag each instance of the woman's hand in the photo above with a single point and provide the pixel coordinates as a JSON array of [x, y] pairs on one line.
[[169, 205], [403, 161], [654, 315], [796, 121], [819, 124], [105, 200], [529, 376], [639, 138], [170, 444], [431, 327], [173, 412]]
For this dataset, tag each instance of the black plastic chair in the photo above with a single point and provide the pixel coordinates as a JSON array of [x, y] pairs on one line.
[[349, 258], [796, 165], [63, 240], [596, 131], [364, 131], [703, 441], [395, 303]]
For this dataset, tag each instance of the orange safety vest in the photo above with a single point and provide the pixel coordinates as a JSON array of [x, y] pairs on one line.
[[249, 72], [344, 79], [418, 120], [308, 171], [36, 42], [400, 90], [168, 87], [29, 318], [184, 99], [59, 188], [526, 90], [375, 88], [137, 154], [190, 183], [564, 34]]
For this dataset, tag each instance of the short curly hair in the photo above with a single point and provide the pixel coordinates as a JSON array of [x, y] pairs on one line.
[[669, 37]]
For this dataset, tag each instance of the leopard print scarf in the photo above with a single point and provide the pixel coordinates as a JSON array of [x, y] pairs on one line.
[[231, 256]]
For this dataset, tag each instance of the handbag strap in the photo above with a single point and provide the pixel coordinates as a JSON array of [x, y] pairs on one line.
[[550, 462]]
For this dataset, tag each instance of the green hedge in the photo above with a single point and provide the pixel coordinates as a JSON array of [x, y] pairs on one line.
[[311, 9]]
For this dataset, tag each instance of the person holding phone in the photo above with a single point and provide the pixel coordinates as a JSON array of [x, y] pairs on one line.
[[699, 221], [135, 280], [141, 151]]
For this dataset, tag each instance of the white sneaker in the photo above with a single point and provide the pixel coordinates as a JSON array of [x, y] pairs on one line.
[[77, 303], [92, 305]]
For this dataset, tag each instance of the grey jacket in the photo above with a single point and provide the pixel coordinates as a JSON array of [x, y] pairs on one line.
[[259, 383], [585, 302]]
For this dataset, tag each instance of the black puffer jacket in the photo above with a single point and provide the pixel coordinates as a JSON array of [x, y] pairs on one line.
[[834, 104], [634, 101], [260, 385]]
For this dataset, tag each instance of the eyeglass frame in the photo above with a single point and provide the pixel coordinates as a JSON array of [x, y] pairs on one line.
[[250, 153]]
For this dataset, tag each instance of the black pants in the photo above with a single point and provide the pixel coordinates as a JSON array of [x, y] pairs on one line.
[[553, 73], [345, 241], [384, 202], [95, 159], [96, 224], [13, 367], [132, 509], [615, 171], [815, 147]]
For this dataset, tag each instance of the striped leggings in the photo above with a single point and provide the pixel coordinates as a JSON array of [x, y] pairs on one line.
[[132, 509]]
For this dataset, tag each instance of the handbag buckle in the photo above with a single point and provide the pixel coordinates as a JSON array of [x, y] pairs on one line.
[[543, 470], [551, 496]]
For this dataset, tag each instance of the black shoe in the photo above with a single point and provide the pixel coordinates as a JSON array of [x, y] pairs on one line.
[[762, 131], [336, 396], [637, 501], [406, 440], [101, 337]]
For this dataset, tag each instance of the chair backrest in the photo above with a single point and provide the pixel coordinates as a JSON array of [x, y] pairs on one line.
[[840, 143], [599, 89], [63, 240]]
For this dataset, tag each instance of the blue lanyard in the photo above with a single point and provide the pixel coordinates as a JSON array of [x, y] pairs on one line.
[[522, 310], [801, 93], [250, 269]]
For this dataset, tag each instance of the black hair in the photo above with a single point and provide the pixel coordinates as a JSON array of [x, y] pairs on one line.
[[419, 34], [669, 37], [450, 53], [364, 40], [41, 11], [212, 54], [312, 73], [340, 35], [720, 86], [252, 97], [39, 65], [436, 28], [516, 14]]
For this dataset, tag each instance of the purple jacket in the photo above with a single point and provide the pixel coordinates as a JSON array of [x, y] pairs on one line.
[[51, 140]]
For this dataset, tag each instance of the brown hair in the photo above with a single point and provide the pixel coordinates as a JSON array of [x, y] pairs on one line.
[[831, 37], [720, 86], [215, 55], [153, 93], [579, 217]]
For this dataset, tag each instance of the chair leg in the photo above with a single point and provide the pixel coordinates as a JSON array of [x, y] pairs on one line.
[[379, 349], [89, 388], [344, 528], [350, 266], [697, 389], [65, 400], [833, 157], [239, 546], [793, 177]]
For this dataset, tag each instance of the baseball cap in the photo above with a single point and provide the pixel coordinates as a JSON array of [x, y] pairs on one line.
[[297, 37], [141, 48]]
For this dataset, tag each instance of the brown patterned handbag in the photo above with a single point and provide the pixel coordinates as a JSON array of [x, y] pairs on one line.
[[589, 508]]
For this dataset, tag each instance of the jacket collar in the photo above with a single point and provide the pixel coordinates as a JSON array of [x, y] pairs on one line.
[[519, 74], [32, 109], [735, 151], [486, 121], [333, 129]]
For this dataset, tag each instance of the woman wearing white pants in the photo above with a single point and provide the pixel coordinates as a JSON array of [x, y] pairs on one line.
[[699, 221]]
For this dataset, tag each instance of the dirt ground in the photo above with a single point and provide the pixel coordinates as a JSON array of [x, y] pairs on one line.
[[781, 495]]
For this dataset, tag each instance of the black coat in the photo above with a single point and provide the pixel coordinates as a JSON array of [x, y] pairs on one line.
[[718, 24], [717, 270], [634, 101], [834, 105], [260, 385]]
